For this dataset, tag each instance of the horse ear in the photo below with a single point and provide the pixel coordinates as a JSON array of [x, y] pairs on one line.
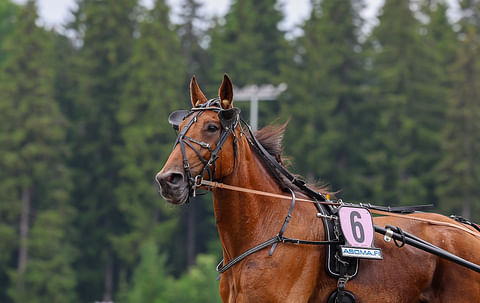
[[226, 92], [196, 94]]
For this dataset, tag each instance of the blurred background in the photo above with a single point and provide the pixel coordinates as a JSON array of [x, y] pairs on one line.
[[383, 100]]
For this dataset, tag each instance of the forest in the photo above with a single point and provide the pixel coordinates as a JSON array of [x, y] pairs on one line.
[[387, 114]]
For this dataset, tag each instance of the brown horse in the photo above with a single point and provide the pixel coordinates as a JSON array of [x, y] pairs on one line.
[[296, 273]]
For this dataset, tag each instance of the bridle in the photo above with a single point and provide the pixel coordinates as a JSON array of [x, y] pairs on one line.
[[229, 120]]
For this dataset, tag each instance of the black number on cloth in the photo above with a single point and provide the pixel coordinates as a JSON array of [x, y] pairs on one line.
[[357, 228]]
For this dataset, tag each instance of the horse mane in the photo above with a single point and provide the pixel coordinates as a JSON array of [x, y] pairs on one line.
[[271, 137]]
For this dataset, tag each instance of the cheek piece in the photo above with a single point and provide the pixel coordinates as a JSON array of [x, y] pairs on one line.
[[229, 119]]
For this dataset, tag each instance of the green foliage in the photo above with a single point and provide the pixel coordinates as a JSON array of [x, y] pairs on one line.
[[324, 99], [152, 90], [151, 282], [8, 13], [194, 55], [33, 157], [199, 284], [388, 116], [106, 29], [459, 169], [249, 47], [49, 276], [150, 279], [411, 88]]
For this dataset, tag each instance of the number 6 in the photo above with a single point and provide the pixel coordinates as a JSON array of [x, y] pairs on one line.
[[357, 226]]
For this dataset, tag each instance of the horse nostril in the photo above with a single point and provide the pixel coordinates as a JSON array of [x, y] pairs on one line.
[[169, 178], [175, 178]]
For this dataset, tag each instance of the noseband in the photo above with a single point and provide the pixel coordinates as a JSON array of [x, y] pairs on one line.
[[229, 119]]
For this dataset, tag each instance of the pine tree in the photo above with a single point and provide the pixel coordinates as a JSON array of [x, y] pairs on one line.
[[106, 30], [153, 89], [150, 282], [441, 41], [249, 47], [195, 224], [407, 82], [198, 284], [458, 173], [191, 37], [8, 13], [324, 97], [35, 180]]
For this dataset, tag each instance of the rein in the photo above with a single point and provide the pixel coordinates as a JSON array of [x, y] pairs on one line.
[[209, 185]]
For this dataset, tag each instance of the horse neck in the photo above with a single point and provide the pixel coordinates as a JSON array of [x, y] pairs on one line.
[[244, 220]]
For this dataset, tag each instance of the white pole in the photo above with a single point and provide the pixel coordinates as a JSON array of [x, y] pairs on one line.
[[254, 112], [255, 94]]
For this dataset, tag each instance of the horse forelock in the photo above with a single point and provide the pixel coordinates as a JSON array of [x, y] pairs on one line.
[[271, 137]]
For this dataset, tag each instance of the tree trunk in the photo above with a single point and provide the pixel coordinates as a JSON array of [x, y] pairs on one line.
[[191, 234], [24, 229], [107, 295]]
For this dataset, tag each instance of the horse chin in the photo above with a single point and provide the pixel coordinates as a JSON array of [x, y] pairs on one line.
[[178, 197]]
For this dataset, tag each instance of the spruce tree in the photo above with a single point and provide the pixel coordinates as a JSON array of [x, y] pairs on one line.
[[324, 98], [195, 223], [458, 173], [407, 86], [35, 180], [249, 47], [150, 281], [8, 13], [106, 30], [441, 41], [191, 37], [153, 89]]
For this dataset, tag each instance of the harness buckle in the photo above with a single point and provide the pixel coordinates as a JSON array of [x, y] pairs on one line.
[[388, 235], [328, 217], [342, 282], [198, 181]]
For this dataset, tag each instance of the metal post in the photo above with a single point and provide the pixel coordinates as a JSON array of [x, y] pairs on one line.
[[254, 112], [255, 94]]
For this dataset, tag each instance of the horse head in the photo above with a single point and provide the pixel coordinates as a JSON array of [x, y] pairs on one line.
[[205, 146]]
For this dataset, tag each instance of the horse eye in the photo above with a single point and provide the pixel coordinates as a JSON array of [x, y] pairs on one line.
[[212, 128]]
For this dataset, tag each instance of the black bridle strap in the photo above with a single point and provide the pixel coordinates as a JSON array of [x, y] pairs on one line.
[[297, 182], [218, 147], [182, 139], [204, 162], [276, 239], [285, 223]]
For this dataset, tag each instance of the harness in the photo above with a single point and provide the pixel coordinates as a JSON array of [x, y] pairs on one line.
[[339, 267]]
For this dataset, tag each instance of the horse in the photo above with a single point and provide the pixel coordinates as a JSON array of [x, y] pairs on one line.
[[211, 146]]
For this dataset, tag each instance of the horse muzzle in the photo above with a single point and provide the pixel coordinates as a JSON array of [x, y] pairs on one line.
[[173, 186]]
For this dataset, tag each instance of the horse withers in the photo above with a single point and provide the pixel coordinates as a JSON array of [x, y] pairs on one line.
[[213, 145]]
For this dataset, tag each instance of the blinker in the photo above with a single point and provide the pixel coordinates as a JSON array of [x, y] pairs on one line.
[[177, 117], [228, 117]]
